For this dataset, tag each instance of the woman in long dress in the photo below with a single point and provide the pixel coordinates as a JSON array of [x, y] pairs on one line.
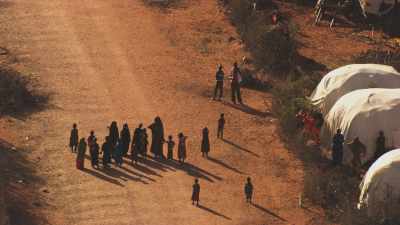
[[80, 158], [157, 131], [114, 134], [182, 148], [126, 138], [205, 143]]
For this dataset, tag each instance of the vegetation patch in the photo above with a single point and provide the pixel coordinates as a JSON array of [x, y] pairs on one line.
[[17, 96]]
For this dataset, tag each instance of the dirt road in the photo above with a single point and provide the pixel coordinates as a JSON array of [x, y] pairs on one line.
[[111, 60]]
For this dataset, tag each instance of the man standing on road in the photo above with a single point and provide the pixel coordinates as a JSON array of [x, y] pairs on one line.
[[219, 86], [248, 190], [221, 124], [235, 84]]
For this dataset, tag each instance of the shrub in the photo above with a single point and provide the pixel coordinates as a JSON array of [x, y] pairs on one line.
[[15, 95], [290, 98]]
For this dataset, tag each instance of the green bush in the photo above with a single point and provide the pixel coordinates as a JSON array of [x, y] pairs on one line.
[[273, 47], [290, 98]]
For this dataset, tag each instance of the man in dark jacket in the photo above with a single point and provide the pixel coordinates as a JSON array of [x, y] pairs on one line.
[[235, 84], [248, 190], [337, 148], [219, 86]]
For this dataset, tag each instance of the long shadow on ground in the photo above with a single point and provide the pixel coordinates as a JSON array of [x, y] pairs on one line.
[[213, 212], [21, 185], [223, 164], [240, 147], [268, 211]]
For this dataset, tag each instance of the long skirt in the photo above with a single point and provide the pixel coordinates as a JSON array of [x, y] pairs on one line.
[[80, 163]]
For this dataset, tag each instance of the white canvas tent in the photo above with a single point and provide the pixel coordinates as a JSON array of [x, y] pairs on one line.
[[377, 7], [380, 187], [352, 77], [363, 113]]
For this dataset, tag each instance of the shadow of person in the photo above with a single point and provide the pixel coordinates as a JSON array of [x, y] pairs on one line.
[[192, 170], [138, 174], [219, 162], [103, 177], [119, 174], [267, 211], [240, 147], [213, 212], [247, 109]]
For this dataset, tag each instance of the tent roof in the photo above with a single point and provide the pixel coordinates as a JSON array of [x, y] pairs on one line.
[[381, 180], [348, 78], [363, 113]]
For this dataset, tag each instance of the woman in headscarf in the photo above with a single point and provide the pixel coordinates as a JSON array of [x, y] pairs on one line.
[[157, 131], [205, 143], [182, 148], [125, 138], [114, 134], [80, 158], [118, 153], [106, 149]]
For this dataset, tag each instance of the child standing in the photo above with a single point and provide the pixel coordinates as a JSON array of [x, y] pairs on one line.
[[171, 145], [221, 124]]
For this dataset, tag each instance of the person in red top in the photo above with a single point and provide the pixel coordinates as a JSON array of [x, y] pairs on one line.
[[235, 83]]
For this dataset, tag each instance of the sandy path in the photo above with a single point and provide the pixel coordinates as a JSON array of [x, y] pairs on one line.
[[108, 60]]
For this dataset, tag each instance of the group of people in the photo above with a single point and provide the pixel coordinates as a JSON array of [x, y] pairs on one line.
[[357, 148], [236, 80], [311, 124]]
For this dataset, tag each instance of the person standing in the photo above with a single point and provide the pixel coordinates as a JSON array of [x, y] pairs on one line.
[[337, 148], [219, 86], [157, 130], [182, 148], [106, 148], [358, 149], [236, 79], [196, 192], [94, 154], [171, 145], [248, 190], [80, 158], [205, 143], [380, 145], [144, 143], [114, 133], [91, 139], [73, 139], [221, 125], [118, 153], [125, 139]]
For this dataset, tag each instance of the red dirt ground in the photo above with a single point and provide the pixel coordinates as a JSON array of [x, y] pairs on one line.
[[125, 61]]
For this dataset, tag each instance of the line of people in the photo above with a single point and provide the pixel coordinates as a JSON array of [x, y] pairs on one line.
[[117, 144]]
